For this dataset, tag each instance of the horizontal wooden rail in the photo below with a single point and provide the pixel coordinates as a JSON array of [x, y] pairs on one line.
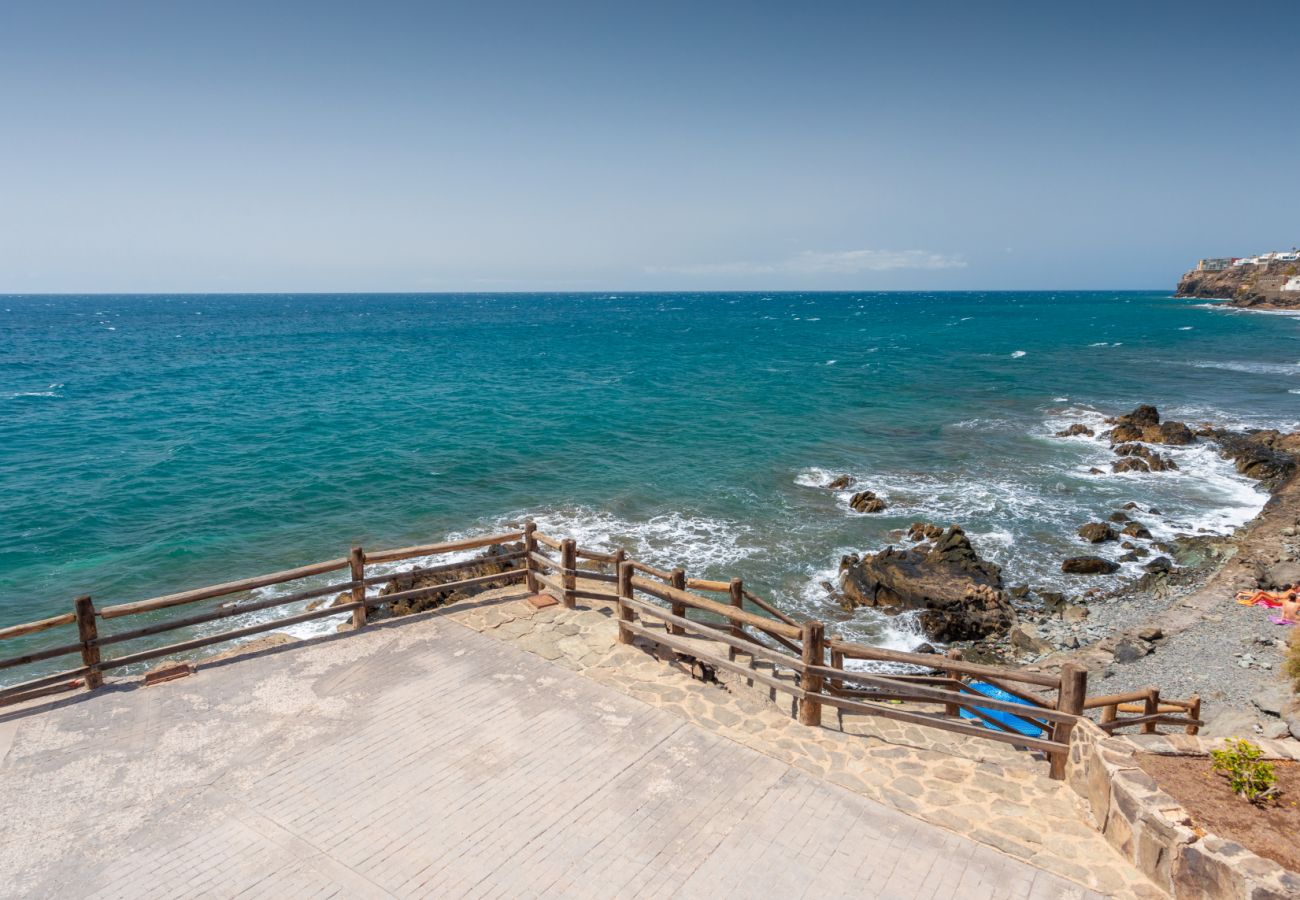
[[684, 646], [219, 590], [701, 584], [381, 556], [937, 695], [553, 583], [35, 684], [651, 570], [1158, 719], [596, 576], [594, 595], [726, 611], [40, 655], [547, 540], [769, 608], [1115, 699], [935, 661], [597, 555], [14, 631], [716, 634], [941, 723], [542, 559]]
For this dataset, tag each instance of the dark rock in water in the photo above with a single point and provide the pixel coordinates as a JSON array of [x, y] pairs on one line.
[[1088, 565], [1095, 471], [1143, 424], [866, 502], [1018, 592], [923, 531], [1137, 530], [1267, 456], [1052, 600], [1130, 505], [1119, 517], [1130, 649], [960, 595], [925, 648], [412, 580], [1128, 545], [1076, 428], [1131, 556], [1154, 511], [1130, 464], [1097, 532], [842, 482], [1159, 564], [1155, 462]]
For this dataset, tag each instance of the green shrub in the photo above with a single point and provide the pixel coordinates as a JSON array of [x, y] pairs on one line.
[[1249, 776]]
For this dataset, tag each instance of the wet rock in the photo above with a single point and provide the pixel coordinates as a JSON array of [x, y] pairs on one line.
[[1088, 565], [1097, 532], [1143, 424], [924, 531], [1076, 428], [1119, 517], [1130, 505], [842, 482], [414, 580], [866, 502], [1267, 456], [1130, 464], [1159, 564], [1095, 471], [925, 648], [959, 594], [1018, 592], [1137, 530]]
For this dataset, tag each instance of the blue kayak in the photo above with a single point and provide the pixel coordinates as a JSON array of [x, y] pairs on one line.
[[1010, 720]]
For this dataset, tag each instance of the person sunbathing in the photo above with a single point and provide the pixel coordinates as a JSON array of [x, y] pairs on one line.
[[1290, 605]]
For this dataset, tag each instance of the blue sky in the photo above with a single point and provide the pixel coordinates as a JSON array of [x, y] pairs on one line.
[[657, 146]]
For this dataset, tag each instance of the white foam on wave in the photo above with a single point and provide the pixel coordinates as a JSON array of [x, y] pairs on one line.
[[51, 391], [1253, 368], [893, 632], [1016, 354]]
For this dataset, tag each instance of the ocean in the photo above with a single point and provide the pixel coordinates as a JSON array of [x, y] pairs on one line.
[[150, 444]]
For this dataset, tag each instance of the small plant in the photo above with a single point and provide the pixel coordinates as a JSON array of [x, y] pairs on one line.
[[1247, 774]]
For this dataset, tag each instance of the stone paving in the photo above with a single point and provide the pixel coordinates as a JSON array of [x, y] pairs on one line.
[[422, 758], [985, 790]]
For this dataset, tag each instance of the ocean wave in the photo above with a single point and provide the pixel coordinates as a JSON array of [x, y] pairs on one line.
[[1253, 368], [51, 391], [1016, 354]]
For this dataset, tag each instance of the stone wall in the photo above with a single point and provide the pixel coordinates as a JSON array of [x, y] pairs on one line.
[[1154, 832]]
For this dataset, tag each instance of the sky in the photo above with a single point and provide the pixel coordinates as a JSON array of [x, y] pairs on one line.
[[329, 146]]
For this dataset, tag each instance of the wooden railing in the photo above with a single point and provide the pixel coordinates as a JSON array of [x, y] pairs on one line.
[[763, 644], [1147, 710]]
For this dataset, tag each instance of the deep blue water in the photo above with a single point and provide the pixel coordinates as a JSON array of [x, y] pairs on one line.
[[154, 443]]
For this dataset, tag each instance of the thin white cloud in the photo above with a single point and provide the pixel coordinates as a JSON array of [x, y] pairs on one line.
[[823, 262]]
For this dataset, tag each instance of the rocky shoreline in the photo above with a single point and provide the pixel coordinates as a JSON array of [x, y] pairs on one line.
[[1177, 626], [1248, 287]]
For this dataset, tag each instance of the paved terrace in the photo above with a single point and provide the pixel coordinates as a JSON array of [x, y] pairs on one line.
[[491, 750]]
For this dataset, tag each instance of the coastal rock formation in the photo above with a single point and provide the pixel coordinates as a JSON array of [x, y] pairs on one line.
[[1088, 565], [1254, 286], [1143, 424], [414, 580], [1097, 532], [1155, 461], [1075, 429], [866, 502], [1268, 456], [842, 482], [959, 593]]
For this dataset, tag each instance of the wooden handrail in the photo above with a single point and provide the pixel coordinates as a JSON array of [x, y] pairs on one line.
[[14, 631], [935, 661], [769, 608], [726, 611], [381, 556], [548, 541]]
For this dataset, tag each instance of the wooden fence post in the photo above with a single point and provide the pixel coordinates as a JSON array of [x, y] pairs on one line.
[[357, 563], [625, 612], [569, 560], [952, 709], [88, 632], [814, 634], [737, 630], [1070, 699], [620, 557], [837, 662], [1151, 707], [677, 579], [1194, 712], [530, 547]]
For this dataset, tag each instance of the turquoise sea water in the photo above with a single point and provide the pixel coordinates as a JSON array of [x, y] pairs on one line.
[[150, 444]]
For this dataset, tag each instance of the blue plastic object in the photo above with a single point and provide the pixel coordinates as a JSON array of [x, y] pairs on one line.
[[1011, 720]]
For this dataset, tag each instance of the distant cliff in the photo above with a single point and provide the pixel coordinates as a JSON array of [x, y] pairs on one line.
[[1258, 286]]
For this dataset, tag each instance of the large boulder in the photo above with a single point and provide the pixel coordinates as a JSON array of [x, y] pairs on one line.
[[1143, 424], [866, 502], [959, 593], [1097, 532], [1088, 565], [408, 581], [1268, 456]]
